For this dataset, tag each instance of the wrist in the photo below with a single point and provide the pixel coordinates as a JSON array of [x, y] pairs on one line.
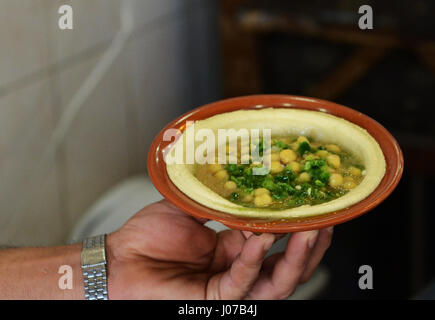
[[33, 273], [112, 264]]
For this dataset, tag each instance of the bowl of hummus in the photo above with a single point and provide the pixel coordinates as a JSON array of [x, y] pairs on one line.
[[275, 163]]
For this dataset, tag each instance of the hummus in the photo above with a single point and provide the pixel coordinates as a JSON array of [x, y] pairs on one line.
[[285, 122]]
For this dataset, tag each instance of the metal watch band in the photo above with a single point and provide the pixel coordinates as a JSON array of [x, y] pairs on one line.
[[93, 258]]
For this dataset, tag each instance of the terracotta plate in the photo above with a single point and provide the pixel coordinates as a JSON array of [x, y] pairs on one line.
[[393, 156]]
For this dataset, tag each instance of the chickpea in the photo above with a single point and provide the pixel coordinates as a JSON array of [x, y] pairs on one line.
[[230, 185], [322, 154], [214, 167], [310, 156], [263, 200], [275, 149], [304, 177], [315, 144], [287, 155], [248, 198], [222, 175], [275, 157], [294, 166], [333, 160], [355, 171], [276, 167], [349, 185], [330, 169], [260, 192], [346, 179], [333, 148], [301, 139], [335, 180]]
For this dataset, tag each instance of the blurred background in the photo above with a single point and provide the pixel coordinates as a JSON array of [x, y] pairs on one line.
[[79, 108]]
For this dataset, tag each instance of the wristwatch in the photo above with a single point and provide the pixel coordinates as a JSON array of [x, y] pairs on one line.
[[93, 258]]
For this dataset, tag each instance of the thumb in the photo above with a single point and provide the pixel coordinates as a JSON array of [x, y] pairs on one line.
[[236, 282]]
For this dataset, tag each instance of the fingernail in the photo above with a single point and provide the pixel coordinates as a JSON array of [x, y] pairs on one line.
[[312, 237], [247, 234], [330, 229]]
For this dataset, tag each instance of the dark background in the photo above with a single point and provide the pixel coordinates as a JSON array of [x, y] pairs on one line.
[[315, 48]]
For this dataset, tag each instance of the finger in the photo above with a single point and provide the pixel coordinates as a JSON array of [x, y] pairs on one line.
[[322, 244], [288, 267], [229, 245], [295, 258], [278, 236], [238, 280], [270, 261], [269, 264], [247, 234]]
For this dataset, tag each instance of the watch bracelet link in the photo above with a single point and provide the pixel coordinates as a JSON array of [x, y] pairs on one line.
[[93, 258]]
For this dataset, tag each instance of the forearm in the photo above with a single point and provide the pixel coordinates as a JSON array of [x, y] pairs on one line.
[[33, 273]]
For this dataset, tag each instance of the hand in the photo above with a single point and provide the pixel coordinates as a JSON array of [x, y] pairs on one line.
[[162, 253]]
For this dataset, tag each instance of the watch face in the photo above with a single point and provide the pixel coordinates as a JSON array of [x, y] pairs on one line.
[[93, 251]]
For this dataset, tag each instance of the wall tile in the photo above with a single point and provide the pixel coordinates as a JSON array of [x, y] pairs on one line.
[[149, 85], [30, 209], [158, 80], [23, 37], [95, 22], [95, 149], [144, 12], [169, 70]]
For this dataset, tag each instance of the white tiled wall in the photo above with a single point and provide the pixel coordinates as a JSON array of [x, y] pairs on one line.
[[95, 22], [24, 39], [29, 201], [164, 70], [95, 151]]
